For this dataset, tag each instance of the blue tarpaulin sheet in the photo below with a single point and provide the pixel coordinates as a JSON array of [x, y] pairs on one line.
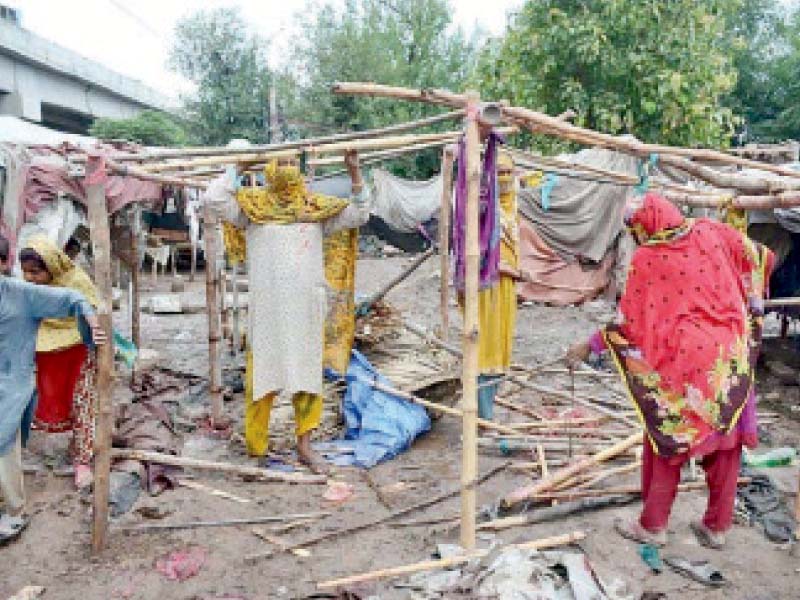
[[378, 425]]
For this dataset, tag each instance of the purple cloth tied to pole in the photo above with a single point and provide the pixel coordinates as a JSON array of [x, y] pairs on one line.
[[488, 219]]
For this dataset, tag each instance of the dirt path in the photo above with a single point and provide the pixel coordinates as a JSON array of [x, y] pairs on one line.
[[54, 551]]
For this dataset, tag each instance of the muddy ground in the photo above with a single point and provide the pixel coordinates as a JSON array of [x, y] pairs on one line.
[[54, 552]]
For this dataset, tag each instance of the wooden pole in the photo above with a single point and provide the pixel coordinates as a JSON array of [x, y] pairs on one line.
[[220, 467], [101, 250], [570, 471], [400, 278], [469, 396], [444, 563], [136, 309], [212, 307], [444, 241], [236, 310], [160, 155]]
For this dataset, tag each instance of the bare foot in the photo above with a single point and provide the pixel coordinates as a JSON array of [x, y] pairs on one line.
[[632, 530], [315, 463], [707, 537]]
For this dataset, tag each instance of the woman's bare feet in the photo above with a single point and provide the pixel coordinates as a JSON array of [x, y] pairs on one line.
[[707, 537], [308, 457], [632, 530]]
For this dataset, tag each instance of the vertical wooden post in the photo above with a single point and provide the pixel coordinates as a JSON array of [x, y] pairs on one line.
[[212, 306], [469, 436], [101, 250], [225, 316], [136, 332], [444, 241], [236, 311]]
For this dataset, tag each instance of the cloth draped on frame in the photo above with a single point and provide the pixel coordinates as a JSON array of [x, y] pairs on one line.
[[489, 222], [687, 339]]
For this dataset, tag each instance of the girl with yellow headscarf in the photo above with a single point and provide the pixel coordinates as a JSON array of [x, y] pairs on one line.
[[65, 368], [497, 306]]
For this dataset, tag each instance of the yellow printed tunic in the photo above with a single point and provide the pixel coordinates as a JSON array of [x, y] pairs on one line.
[[497, 311]]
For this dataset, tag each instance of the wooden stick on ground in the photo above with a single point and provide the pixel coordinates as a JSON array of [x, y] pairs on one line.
[[444, 240], [616, 491], [101, 250], [545, 485], [344, 531], [443, 563], [221, 523], [207, 465]]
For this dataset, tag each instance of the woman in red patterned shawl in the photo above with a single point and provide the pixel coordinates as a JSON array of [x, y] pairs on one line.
[[686, 346]]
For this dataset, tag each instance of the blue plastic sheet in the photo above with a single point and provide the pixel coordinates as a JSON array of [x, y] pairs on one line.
[[378, 426]]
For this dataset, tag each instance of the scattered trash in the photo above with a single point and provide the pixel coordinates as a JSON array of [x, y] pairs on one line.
[[153, 512], [29, 592], [651, 557], [180, 565], [124, 490], [338, 492], [777, 457], [701, 571], [764, 507], [166, 304]]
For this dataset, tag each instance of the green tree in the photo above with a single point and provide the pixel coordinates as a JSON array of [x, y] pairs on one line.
[[149, 127], [767, 56], [218, 52], [656, 69], [409, 43]]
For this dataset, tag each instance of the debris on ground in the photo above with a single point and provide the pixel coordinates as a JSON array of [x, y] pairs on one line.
[[180, 565]]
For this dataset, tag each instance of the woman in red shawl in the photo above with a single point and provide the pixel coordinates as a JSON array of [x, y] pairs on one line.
[[686, 347]]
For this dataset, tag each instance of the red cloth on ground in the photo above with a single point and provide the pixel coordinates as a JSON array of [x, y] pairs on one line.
[[57, 374], [660, 478]]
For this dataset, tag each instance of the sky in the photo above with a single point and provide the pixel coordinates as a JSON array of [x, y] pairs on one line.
[[133, 37]]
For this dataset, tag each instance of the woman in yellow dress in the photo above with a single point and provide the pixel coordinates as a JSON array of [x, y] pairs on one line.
[[498, 304]]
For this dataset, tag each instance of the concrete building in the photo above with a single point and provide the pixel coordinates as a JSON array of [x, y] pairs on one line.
[[45, 83]]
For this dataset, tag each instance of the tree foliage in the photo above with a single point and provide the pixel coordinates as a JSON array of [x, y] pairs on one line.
[[658, 70], [149, 127], [409, 43], [767, 57], [218, 52]]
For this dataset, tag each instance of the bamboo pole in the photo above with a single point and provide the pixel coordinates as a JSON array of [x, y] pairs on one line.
[[444, 563], [136, 309], [616, 491], [784, 200], [776, 302], [101, 250], [220, 467], [338, 534], [539, 122], [212, 308], [160, 155], [469, 395], [400, 278], [444, 240], [148, 527], [570, 471]]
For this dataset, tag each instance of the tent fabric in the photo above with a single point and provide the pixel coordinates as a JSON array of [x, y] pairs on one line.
[[403, 203], [557, 281], [38, 176], [584, 217], [378, 426]]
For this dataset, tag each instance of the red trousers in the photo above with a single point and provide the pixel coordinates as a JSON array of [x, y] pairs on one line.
[[660, 478]]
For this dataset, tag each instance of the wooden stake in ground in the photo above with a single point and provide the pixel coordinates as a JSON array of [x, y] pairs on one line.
[[101, 250], [136, 309], [469, 396], [444, 240], [444, 563], [212, 307]]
